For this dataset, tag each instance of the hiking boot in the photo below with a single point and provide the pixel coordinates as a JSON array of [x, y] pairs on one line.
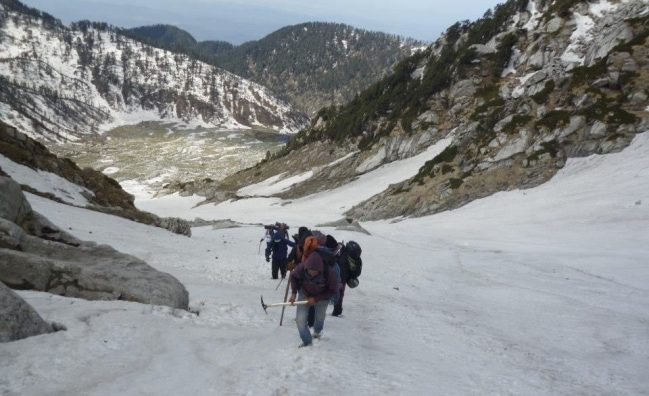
[[317, 335], [304, 344]]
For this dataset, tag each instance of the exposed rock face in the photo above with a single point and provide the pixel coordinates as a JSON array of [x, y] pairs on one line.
[[35, 254], [519, 92], [18, 319]]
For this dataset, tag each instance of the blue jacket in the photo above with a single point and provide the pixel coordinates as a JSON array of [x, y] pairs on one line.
[[279, 245]]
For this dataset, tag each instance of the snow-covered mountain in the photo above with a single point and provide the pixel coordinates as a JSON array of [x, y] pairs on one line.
[[62, 82], [313, 64]]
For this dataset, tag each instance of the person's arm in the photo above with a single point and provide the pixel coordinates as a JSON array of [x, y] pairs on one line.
[[269, 247], [296, 279]]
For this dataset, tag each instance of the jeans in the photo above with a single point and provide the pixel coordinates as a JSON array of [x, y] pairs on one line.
[[302, 314]]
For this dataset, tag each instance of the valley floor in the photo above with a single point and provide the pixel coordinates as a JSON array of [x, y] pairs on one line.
[[535, 292]]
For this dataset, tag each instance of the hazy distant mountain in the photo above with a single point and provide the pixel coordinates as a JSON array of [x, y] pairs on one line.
[[312, 64]]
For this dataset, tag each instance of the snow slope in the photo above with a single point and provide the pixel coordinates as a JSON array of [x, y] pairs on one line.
[[46, 182], [535, 292], [321, 207]]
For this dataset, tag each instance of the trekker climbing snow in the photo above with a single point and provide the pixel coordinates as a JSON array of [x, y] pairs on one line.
[[350, 269], [311, 280], [295, 256], [278, 245]]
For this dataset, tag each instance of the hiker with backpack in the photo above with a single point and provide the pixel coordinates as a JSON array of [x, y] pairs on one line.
[[295, 256], [326, 252], [313, 281], [350, 269], [278, 245]]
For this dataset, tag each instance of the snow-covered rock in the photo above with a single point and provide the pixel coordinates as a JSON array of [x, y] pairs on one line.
[[35, 254]]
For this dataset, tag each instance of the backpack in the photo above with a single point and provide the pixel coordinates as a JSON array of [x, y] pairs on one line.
[[330, 262], [314, 286], [354, 261]]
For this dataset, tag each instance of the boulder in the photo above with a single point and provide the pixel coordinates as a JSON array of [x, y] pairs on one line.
[[37, 255], [609, 37], [18, 319], [554, 25], [598, 129], [462, 89], [13, 205], [482, 49], [176, 225]]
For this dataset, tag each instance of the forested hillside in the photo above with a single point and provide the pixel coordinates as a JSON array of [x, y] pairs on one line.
[[312, 64]]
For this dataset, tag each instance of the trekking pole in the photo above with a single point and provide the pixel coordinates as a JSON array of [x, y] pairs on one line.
[[280, 282], [281, 319], [259, 250], [284, 304]]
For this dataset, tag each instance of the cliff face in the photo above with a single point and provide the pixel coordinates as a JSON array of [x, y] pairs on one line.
[[61, 83], [518, 91]]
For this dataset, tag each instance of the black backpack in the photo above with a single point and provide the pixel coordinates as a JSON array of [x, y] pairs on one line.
[[354, 262]]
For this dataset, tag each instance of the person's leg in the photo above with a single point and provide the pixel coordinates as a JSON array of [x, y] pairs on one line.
[[275, 268], [311, 317], [338, 308], [320, 315], [282, 267], [301, 316]]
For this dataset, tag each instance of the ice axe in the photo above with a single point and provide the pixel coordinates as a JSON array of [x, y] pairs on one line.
[[259, 250], [284, 304]]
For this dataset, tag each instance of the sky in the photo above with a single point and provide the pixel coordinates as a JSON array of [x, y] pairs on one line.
[[237, 21]]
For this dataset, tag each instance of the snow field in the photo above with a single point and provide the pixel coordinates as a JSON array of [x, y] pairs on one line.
[[535, 292]]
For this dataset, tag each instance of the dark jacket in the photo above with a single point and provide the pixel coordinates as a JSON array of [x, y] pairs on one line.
[[319, 290], [278, 244]]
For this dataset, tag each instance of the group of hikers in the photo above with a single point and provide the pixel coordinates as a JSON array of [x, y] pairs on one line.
[[320, 270]]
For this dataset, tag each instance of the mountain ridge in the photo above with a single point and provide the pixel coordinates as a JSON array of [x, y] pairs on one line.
[[312, 64], [61, 83]]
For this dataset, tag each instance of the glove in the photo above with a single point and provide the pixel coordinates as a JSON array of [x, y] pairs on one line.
[[291, 265], [292, 298], [267, 259], [311, 300]]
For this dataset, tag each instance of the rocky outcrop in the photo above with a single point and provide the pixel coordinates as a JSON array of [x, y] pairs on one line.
[[36, 255], [18, 319], [107, 195]]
